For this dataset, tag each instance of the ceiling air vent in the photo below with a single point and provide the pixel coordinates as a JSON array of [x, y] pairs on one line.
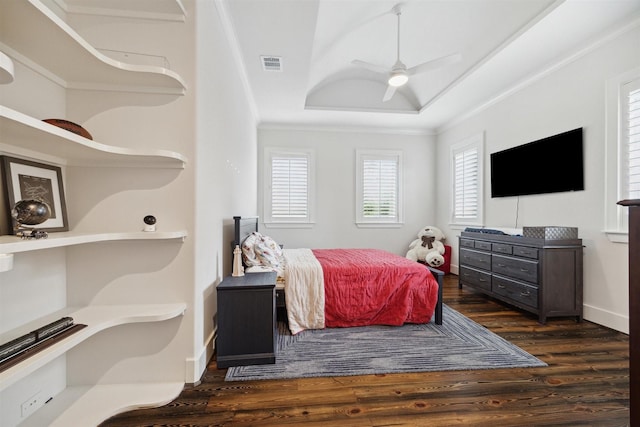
[[271, 63]]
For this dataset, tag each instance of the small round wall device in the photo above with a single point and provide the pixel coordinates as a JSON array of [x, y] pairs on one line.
[[149, 223]]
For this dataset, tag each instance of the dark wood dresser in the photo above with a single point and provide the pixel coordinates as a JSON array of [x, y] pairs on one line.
[[246, 320], [537, 275]]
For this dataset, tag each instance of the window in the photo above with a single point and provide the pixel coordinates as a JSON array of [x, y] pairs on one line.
[[378, 188], [466, 180], [288, 195], [622, 151], [630, 135]]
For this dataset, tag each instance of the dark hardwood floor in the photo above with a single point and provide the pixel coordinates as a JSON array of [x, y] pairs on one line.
[[585, 384]]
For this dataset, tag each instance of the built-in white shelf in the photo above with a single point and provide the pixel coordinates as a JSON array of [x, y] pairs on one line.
[[24, 135], [162, 10], [97, 318], [13, 244], [6, 69], [90, 405], [36, 37], [61, 51]]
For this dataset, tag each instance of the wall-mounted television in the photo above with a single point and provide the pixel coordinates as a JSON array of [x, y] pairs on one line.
[[549, 165]]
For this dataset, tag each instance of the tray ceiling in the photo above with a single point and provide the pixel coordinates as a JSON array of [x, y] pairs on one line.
[[502, 42]]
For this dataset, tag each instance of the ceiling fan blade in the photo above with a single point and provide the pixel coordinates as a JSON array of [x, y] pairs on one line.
[[371, 67], [389, 93], [434, 63]]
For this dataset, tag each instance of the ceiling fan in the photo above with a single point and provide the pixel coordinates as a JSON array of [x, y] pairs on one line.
[[399, 73]]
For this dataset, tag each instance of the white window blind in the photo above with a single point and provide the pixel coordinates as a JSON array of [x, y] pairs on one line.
[[630, 132], [466, 189], [289, 187], [380, 188], [466, 181], [622, 156]]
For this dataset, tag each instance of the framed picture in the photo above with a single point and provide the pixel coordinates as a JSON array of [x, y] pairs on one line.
[[27, 180]]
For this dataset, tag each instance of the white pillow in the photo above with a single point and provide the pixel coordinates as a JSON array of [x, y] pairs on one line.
[[268, 251], [248, 249]]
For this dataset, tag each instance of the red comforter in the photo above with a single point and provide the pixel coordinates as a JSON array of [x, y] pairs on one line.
[[374, 287]]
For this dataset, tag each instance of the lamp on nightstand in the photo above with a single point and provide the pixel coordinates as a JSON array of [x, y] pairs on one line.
[[238, 270]]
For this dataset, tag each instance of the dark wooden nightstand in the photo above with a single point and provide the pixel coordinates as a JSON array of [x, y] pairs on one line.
[[246, 320]]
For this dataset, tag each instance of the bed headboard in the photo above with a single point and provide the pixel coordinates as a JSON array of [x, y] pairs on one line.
[[243, 228]]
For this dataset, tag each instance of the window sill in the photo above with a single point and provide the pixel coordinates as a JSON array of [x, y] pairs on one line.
[[379, 224], [463, 225], [289, 224], [615, 236]]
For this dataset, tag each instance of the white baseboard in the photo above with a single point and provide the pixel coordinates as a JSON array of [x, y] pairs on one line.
[[195, 367], [606, 318]]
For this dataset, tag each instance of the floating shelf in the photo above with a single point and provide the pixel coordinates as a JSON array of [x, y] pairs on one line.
[[163, 10], [71, 58], [91, 405], [97, 318], [6, 69], [23, 134], [13, 244]]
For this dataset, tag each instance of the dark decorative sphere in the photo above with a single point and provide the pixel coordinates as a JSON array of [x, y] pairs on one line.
[[31, 212], [149, 219]]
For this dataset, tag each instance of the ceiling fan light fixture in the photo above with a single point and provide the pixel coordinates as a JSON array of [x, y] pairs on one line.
[[398, 79]]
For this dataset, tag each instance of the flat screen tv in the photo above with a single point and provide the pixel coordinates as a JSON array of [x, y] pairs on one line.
[[550, 165]]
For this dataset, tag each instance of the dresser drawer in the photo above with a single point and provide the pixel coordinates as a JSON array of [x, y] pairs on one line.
[[515, 267], [502, 248], [477, 278], [485, 246], [517, 291], [475, 259], [466, 243], [526, 252]]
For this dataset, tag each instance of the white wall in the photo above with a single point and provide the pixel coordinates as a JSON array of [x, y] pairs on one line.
[[335, 152], [570, 97], [225, 160]]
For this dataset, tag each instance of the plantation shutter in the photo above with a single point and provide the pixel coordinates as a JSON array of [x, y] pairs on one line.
[[466, 188], [289, 187], [380, 188], [630, 131]]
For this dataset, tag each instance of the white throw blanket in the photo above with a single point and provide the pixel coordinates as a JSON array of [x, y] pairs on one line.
[[304, 290]]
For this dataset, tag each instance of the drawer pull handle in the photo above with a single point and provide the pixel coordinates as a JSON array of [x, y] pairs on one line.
[[525, 294], [501, 265], [482, 280], [501, 286], [524, 270]]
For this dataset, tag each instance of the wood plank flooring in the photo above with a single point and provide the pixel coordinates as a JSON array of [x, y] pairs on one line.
[[585, 384]]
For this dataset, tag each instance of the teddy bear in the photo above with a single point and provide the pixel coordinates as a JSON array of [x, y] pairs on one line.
[[428, 247]]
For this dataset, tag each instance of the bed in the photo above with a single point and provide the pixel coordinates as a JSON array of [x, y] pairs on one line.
[[351, 287]]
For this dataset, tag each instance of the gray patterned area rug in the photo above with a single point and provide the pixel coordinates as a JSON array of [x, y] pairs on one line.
[[458, 344]]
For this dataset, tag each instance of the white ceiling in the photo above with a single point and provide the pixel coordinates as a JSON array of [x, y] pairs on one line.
[[503, 43]]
